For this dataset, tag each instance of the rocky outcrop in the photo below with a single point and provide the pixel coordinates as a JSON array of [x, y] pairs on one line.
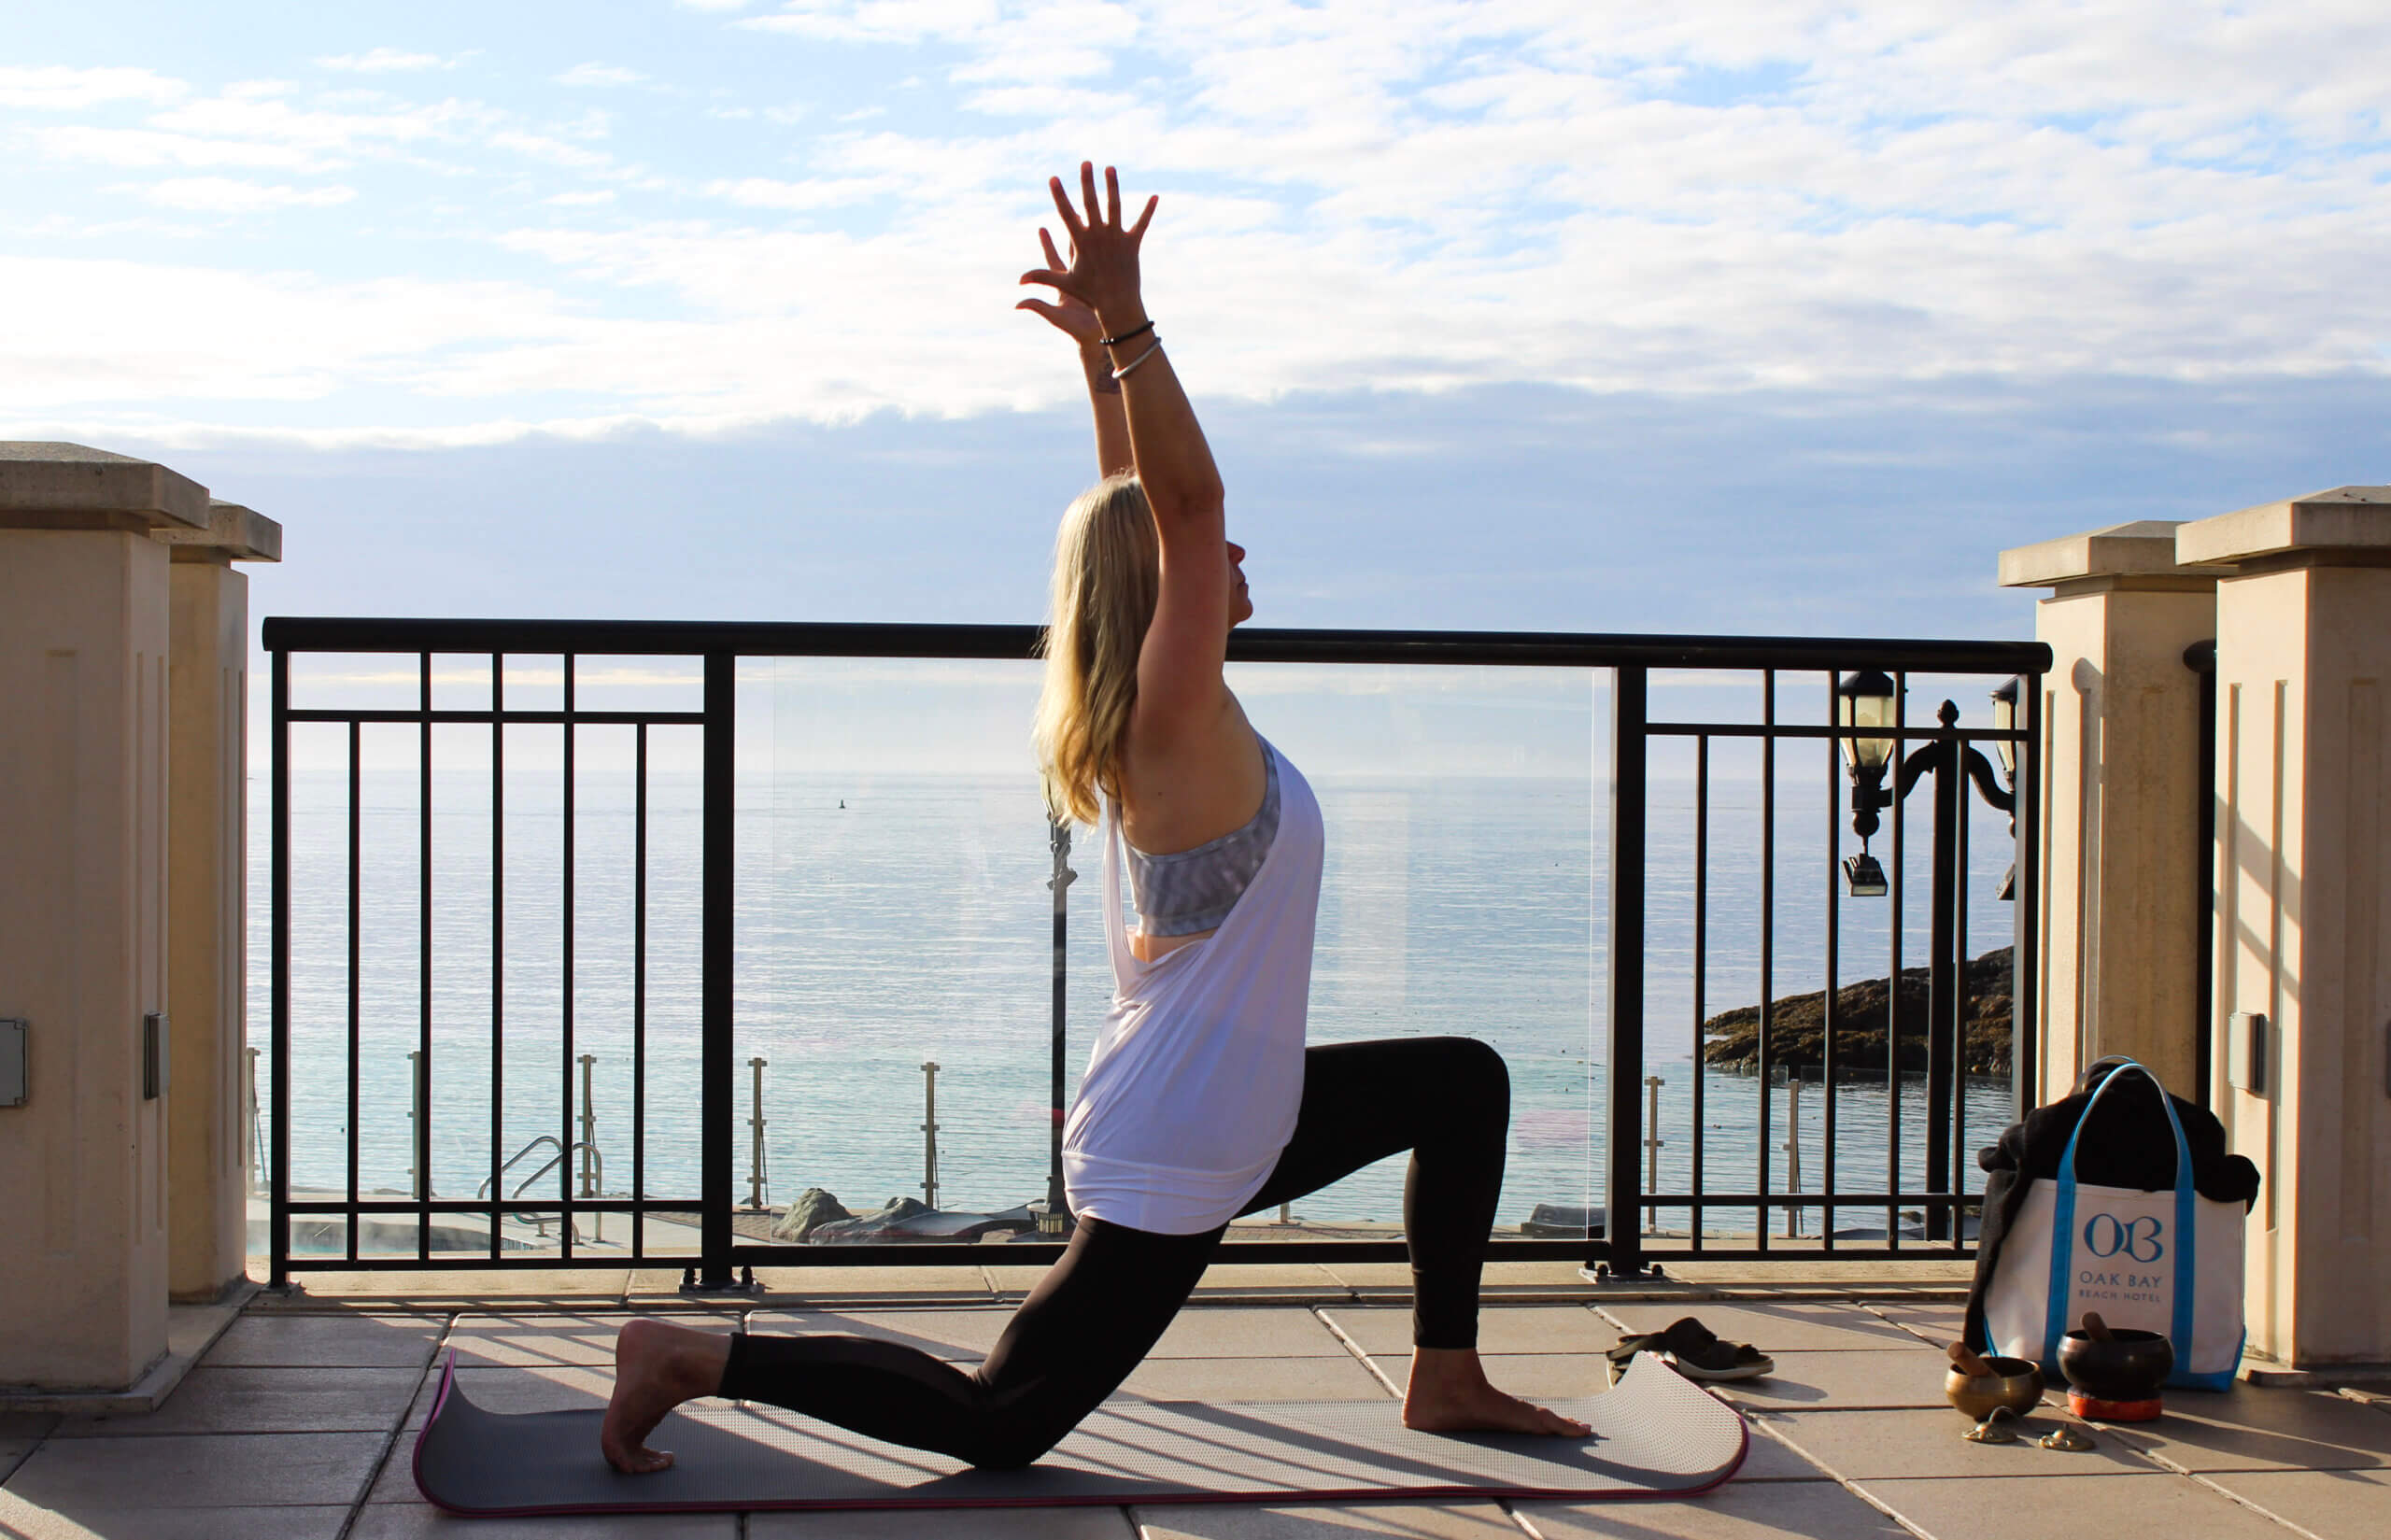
[[1797, 1027], [813, 1209]]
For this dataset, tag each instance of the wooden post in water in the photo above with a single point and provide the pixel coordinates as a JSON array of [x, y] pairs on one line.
[[929, 1133], [755, 1182], [1652, 1142]]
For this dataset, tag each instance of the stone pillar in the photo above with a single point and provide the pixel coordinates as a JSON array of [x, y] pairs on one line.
[[2303, 923], [83, 808], [207, 1163], [2120, 909]]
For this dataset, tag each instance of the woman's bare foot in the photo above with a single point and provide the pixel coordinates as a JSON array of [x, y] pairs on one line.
[[1449, 1393], [657, 1367]]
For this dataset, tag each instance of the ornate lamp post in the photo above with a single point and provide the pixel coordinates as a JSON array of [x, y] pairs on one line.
[[1867, 699]]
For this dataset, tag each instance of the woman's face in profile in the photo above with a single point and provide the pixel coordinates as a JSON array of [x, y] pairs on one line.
[[1240, 606]]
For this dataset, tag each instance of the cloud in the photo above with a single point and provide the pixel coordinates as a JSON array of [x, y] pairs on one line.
[[1769, 194], [600, 75], [384, 61], [582, 200], [54, 88], [224, 195]]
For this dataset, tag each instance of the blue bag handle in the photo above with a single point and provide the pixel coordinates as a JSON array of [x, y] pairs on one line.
[[2063, 1225]]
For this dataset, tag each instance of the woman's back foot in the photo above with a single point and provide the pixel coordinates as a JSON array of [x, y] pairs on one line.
[[657, 1367], [1449, 1393]]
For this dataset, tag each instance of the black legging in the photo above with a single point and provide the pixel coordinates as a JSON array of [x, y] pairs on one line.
[[1102, 1309]]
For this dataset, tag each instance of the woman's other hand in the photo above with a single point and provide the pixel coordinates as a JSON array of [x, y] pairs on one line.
[[1066, 313], [1102, 273]]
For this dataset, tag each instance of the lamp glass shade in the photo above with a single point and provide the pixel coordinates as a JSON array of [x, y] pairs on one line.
[[2004, 719], [1862, 701]]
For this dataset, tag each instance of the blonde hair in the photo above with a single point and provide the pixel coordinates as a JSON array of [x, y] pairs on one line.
[[1108, 572]]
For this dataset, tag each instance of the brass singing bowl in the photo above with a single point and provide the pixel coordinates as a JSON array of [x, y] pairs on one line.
[[2016, 1383]]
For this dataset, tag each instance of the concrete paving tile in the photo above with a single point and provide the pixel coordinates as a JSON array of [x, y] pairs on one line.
[[421, 1521], [1447, 1520], [1501, 1328], [200, 1471], [1091, 1522], [1537, 1376], [24, 1521], [2249, 1428], [1270, 1278], [479, 1285], [1768, 1457], [1239, 1331], [1851, 1380], [1936, 1323], [13, 1453], [2034, 1507], [327, 1342], [1790, 1326], [946, 1333], [238, 1400], [1736, 1511], [1223, 1379], [2329, 1505], [1869, 1446], [528, 1341]]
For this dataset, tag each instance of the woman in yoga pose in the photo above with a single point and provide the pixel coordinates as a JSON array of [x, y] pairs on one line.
[[1200, 1102]]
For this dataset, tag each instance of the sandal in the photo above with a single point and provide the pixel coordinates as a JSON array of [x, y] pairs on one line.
[[1697, 1352]]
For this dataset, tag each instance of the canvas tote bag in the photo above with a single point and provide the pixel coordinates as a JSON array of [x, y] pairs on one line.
[[2163, 1260]]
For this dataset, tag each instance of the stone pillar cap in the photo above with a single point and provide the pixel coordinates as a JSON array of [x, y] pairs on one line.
[[2143, 549], [2347, 518], [73, 487], [235, 532]]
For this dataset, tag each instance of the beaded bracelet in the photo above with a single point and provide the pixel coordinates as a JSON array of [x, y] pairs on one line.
[[1125, 336]]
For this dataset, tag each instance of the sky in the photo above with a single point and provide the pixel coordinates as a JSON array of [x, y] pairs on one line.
[[1744, 317]]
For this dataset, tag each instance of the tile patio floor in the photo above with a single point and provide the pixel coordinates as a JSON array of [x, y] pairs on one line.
[[296, 1424]]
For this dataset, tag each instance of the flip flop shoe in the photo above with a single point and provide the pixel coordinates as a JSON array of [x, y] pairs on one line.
[[1697, 1352]]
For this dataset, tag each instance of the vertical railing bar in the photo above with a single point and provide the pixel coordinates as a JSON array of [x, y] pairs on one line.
[[356, 851], [1623, 1218], [1767, 934], [1833, 962], [421, 1090], [1700, 957], [497, 941], [718, 1053], [278, 1199], [565, 1138], [1893, 993], [638, 994], [2025, 1018], [1960, 750]]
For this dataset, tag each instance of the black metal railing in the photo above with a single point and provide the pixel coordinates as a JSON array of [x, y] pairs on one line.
[[1624, 1245]]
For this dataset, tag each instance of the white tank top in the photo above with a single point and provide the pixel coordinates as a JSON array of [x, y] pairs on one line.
[[1193, 1087]]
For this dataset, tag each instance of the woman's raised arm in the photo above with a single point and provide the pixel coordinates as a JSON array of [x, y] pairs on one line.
[[1179, 670]]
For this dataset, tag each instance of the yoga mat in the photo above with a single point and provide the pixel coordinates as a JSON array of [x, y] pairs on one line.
[[1655, 1435]]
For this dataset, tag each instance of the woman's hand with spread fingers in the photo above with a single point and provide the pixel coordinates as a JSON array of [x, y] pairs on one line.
[[1102, 272], [1066, 313]]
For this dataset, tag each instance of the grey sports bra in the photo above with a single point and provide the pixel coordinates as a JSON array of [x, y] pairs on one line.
[[1189, 890]]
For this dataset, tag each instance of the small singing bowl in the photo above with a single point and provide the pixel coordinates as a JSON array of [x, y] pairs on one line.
[[2016, 1383], [2129, 1366]]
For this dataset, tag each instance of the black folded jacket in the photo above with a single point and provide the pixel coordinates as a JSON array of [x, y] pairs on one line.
[[2125, 1144]]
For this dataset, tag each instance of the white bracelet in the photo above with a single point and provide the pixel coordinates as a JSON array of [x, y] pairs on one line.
[[1152, 349]]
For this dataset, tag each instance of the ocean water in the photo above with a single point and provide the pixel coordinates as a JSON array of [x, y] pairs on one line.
[[892, 910]]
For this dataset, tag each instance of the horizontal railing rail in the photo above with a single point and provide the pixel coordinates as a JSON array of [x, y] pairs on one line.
[[1623, 1244]]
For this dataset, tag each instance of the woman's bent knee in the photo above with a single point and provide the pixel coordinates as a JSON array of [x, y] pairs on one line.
[[1474, 1068]]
